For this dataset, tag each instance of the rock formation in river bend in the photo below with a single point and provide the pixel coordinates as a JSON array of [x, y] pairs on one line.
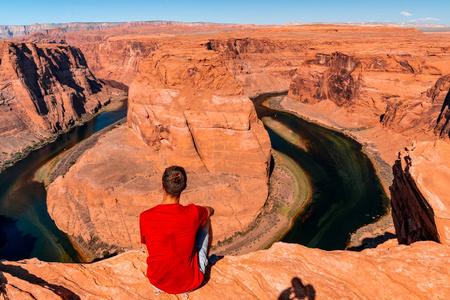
[[285, 271], [185, 108], [43, 89], [189, 105]]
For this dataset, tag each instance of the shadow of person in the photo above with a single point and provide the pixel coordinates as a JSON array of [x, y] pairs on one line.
[[298, 291], [370, 243], [23, 274]]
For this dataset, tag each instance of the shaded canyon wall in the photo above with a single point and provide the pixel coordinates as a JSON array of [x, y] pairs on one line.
[[43, 89]]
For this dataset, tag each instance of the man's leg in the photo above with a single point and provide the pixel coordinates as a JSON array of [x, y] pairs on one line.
[[203, 242]]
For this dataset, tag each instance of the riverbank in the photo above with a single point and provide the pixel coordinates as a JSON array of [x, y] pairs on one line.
[[285, 132], [367, 236], [289, 195], [113, 104], [61, 164]]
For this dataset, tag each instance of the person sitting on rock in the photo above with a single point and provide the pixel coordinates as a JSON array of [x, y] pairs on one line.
[[177, 238]]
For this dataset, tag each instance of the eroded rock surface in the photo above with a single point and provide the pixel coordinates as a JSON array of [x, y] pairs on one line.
[[43, 89], [189, 105], [419, 271], [420, 198]]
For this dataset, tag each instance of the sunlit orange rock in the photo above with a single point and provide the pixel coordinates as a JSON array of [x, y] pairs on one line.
[[420, 198], [284, 271]]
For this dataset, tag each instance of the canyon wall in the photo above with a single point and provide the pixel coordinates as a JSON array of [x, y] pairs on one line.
[[260, 64], [13, 31], [43, 89], [285, 271], [117, 59], [185, 108], [419, 193], [368, 87]]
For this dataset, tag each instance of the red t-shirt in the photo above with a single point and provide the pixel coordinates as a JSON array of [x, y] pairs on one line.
[[169, 231]]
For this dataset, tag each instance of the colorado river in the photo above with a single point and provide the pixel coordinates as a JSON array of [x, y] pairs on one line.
[[346, 193], [26, 229]]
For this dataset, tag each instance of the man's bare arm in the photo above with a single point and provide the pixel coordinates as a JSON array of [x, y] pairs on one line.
[[210, 210]]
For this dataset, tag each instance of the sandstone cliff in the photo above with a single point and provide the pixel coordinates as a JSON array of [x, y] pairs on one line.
[[43, 89], [440, 94], [12, 31], [285, 271], [117, 59], [420, 200], [340, 82], [185, 108], [261, 64]]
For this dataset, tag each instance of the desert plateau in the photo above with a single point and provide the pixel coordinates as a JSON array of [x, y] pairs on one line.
[[273, 123]]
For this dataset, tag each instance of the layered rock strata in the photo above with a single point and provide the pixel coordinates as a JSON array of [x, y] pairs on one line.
[[189, 105], [440, 93], [12, 31], [285, 271], [117, 59], [185, 109], [43, 89], [420, 200]]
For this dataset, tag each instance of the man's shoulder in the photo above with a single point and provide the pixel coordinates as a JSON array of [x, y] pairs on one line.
[[149, 211], [194, 207]]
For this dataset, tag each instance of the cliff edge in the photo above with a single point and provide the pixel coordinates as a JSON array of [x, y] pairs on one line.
[[285, 271], [420, 198]]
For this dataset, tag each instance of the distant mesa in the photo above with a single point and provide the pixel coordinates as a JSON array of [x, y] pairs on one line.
[[14, 31]]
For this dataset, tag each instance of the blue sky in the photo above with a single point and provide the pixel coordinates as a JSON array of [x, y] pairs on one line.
[[230, 11]]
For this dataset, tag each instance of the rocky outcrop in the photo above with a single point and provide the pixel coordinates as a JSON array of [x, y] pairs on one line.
[[185, 108], [429, 113], [420, 201], [188, 104], [260, 64], [117, 59], [43, 89], [285, 271], [440, 94], [339, 83]]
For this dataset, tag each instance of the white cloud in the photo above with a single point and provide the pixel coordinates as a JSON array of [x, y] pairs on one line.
[[424, 19], [429, 19], [406, 14]]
